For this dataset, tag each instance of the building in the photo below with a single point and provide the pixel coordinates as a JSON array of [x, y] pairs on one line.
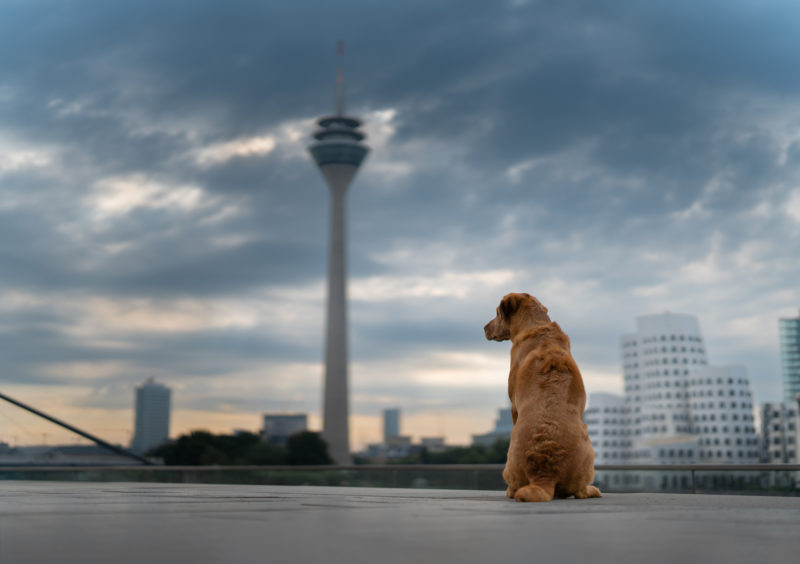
[[151, 427], [278, 427], [63, 455], [656, 364], [789, 330], [677, 409], [501, 431], [780, 432], [391, 424], [433, 444], [338, 152], [721, 408], [607, 417]]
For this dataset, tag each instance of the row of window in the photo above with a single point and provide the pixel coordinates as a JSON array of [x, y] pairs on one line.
[[721, 405], [665, 360], [777, 414], [728, 454], [655, 339], [656, 350], [686, 454], [691, 429], [720, 392], [722, 417], [727, 441]]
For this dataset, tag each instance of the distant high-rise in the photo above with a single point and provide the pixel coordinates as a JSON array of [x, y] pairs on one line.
[[789, 330], [279, 427], [152, 416], [780, 432], [391, 424], [338, 152], [502, 429]]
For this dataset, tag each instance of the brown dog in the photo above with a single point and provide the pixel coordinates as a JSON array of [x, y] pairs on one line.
[[550, 453]]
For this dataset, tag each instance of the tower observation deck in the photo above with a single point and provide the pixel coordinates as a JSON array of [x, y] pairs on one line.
[[338, 152]]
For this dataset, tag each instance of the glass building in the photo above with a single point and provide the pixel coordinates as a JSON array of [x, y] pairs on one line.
[[789, 330], [152, 416]]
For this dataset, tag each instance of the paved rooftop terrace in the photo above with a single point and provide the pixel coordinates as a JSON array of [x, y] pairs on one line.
[[112, 523]]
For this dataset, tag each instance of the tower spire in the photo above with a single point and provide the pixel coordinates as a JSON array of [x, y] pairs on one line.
[[340, 78]]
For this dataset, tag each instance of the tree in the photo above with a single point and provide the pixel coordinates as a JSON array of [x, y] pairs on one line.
[[199, 448], [307, 448]]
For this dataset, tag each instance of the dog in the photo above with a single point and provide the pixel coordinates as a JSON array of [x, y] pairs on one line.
[[550, 454]]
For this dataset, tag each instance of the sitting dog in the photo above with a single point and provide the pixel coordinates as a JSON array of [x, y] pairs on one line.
[[550, 453]]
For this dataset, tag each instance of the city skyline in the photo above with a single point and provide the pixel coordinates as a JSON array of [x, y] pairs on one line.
[[159, 215]]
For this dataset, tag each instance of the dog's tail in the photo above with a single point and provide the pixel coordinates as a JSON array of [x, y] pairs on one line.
[[543, 462], [541, 469]]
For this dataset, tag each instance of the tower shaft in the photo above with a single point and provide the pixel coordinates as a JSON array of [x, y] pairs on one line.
[[336, 427]]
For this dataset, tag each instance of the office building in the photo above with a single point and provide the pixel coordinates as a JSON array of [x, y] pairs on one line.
[[151, 427], [501, 431], [391, 424], [789, 331], [278, 427], [780, 436]]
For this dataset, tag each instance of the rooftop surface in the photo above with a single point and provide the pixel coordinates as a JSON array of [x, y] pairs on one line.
[[120, 523]]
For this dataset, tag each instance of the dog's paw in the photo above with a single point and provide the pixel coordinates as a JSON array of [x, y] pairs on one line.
[[532, 493], [588, 491]]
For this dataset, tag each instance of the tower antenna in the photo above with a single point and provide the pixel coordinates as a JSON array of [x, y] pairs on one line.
[[340, 78]]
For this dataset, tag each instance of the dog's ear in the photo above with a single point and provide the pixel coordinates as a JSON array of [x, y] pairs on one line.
[[509, 305]]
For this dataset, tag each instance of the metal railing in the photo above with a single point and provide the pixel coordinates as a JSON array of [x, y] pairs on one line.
[[770, 479]]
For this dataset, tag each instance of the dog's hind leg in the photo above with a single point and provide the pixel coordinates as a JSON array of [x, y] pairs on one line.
[[538, 491], [515, 478], [588, 491]]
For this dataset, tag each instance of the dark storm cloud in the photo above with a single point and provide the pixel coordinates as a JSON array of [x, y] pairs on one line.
[[605, 143]]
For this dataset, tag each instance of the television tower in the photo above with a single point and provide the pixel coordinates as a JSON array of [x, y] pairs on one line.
[[338, 152]]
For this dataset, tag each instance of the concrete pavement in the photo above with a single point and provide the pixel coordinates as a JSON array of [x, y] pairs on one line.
[[121, 523]]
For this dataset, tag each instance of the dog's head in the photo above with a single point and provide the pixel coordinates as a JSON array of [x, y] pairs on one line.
[[514, 312]]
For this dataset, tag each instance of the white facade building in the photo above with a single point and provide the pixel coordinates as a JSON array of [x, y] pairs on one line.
[[153, 402], [656, 364], [722, 415], [676, 409], [608, 418]]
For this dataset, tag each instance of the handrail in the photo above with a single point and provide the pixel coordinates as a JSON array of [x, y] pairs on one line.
[[409, 467], [97, 440]]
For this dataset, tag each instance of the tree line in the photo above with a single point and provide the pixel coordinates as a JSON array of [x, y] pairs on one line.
[[202, 448]]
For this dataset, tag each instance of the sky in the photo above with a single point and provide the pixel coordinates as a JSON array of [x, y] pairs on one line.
[[160, 215]]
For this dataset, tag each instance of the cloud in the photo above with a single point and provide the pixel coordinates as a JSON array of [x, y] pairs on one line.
[[116, 196], [223, 152], [159, 213]]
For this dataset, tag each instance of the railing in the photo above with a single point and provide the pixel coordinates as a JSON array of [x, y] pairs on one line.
[[770, 479]]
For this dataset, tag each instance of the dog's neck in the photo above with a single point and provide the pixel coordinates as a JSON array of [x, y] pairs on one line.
[[534, 333]]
